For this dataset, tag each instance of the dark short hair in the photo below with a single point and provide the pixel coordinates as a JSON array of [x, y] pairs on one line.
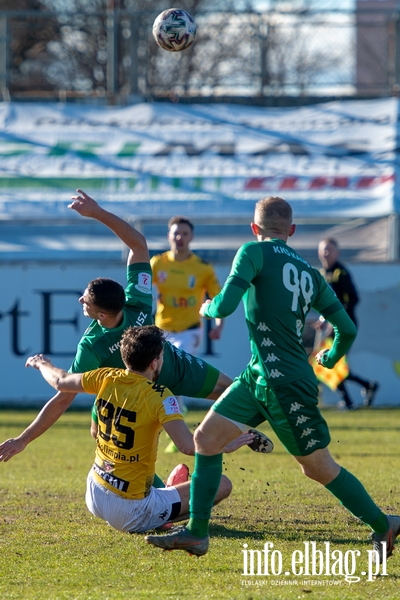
[[140, 346], [106, 294], [178, 220]]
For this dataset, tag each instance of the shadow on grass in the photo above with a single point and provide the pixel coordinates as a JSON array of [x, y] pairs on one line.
[[218, 531], [222, 531], [287, 535]]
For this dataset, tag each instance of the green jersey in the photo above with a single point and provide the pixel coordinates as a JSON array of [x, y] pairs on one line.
[[279, 288], [181, 372], [99, 346]]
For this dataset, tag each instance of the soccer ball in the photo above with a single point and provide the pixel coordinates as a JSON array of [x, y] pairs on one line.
[[174, 30]]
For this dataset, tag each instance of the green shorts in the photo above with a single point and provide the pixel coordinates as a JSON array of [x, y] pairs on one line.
[[184, 375], [290, 409]]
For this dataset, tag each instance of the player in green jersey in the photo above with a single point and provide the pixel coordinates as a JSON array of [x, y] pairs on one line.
[[113, 310], [279, 288]]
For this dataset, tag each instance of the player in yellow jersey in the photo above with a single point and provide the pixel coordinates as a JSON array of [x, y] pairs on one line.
[[183, 279], [132, 411]]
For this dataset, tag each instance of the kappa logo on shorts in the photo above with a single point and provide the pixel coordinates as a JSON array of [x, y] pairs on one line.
[[301, 419], [271, 358], [295, 406], [144, 283], [307, 431], [267, 342], [171, 406], [311, 444], [263, 327], [274, 373], [163, 515]]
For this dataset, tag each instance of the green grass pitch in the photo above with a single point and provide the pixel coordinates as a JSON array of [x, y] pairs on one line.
[[52, 548]]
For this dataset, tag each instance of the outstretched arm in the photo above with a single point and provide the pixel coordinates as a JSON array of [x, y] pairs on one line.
[[136, 242], [224, 304], [60, 380], [345, 334], [246, 264], [51, 412]]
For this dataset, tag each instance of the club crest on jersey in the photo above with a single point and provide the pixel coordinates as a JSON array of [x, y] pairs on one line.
[[144, 283], [171, 406], [192, 281], [162, 276], [108, 466]]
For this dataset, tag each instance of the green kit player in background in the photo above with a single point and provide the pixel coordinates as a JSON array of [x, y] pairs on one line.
[[112, 310], [278, 288]]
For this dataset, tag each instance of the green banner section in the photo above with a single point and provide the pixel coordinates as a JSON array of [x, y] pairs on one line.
[[66, 183], [82, 149]]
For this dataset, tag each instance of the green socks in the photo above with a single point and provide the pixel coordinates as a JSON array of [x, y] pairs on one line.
[[353, 495], [203, 490]]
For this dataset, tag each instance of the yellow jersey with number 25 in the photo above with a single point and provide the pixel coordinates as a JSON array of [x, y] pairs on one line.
[[131, 410]]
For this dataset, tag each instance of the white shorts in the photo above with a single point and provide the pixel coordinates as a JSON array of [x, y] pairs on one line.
[[132, 516], [188, 340]]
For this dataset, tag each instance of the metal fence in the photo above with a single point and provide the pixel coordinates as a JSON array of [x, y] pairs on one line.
[[111, 54]]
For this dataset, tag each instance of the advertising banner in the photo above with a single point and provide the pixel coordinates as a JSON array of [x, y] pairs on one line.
[[333, 159], [40, 312]]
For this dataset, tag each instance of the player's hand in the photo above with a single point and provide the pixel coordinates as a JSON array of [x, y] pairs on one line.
[[320, 354], [242, 440], [203, 308], [10, 448], [84, 205], [37, 360], [215, 333]]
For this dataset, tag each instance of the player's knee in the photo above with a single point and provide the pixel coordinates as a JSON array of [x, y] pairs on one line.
[[225, 486], [201, 441], [309, 472], [322, 476], [205, 444], [320, 466]]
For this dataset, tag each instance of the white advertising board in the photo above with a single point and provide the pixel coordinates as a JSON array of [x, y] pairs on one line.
[[331, 159], [39, 312]]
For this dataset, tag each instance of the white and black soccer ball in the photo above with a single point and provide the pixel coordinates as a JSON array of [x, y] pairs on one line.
[[174, 30]]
